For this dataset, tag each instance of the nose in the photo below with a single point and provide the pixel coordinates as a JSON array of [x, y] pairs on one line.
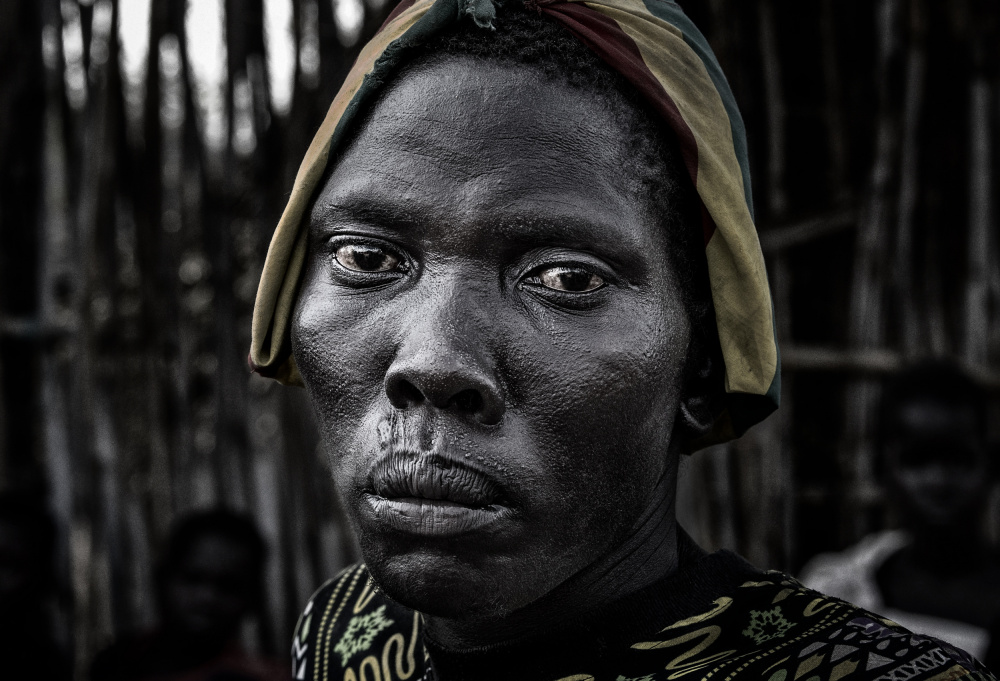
[[445, 384], [441, 363]]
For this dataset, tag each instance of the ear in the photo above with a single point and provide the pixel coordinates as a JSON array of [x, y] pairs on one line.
[[702, 396]]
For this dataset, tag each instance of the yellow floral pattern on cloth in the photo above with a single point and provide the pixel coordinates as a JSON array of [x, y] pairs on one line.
[[771, 628], [766, 625], [360, 634]]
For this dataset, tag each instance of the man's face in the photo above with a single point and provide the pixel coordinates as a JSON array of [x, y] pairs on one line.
[[938, 464], [492, 337], [208, 593]]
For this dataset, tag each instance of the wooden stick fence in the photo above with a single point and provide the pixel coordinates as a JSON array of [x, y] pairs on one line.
[[131, 244]]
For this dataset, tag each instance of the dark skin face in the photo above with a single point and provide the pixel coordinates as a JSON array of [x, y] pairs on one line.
[[494, 342], [208, 594], [938, 467]]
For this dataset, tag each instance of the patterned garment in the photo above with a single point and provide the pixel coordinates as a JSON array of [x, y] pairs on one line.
[[656, 47], [852, 574], [716, 618]]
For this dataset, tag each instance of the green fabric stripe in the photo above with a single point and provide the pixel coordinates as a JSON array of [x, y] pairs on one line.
[[742, 410], [747, 412], [674, 15], [774, 390], [441, 14]]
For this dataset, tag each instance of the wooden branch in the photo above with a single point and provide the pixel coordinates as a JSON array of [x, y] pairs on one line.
[[779, 238], [866, 324], [34, 329], [777, 111], [980, 199], [871, 361], [865, 361], [909, 169], [836, 133]]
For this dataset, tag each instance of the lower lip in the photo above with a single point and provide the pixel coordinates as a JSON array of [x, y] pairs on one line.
[[434, 517]]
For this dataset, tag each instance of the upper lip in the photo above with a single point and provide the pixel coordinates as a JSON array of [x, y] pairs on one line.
[[433, 476]]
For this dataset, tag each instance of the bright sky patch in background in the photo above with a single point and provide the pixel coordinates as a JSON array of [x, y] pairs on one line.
[[205, 24], [206, 53], [280, 46], [133, 36]]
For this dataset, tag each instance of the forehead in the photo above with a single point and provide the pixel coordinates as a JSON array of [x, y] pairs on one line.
[[474, 138]]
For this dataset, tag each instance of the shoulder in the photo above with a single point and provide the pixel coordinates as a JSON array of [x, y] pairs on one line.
[[850, 574], [833, 639], [774, 628], [351, 630]]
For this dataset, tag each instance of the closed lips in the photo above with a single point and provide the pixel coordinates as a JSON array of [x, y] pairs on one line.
[[433, 478]]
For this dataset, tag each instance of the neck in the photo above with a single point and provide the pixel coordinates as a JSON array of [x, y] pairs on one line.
[[647, 555]]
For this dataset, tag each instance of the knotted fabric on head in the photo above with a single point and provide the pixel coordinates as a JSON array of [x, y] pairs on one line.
[[654, 46]]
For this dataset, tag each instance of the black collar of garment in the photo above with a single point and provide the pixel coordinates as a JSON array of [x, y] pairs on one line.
[[596, 638]]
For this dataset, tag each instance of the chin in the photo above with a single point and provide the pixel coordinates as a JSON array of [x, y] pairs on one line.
[[443, 584]]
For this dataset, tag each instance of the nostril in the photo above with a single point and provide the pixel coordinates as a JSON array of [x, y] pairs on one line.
[[457, 390], [404, 394], [410, 392], [468, 401]]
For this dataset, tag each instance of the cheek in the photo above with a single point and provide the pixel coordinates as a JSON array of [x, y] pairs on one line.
[[622, 370], [342, 351], [600, 405], [332, 338]]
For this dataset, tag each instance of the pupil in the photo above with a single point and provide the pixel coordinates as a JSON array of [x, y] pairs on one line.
[[368, 258], [575, 281]]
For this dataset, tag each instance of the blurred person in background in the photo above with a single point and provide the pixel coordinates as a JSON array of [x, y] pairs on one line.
[[28, 648], [209, 580], [937, 573]]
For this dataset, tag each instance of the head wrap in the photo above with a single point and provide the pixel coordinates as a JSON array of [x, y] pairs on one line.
[[654, 46]]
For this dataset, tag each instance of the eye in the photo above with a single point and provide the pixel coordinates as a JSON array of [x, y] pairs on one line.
[[570, 279], [366, 258]]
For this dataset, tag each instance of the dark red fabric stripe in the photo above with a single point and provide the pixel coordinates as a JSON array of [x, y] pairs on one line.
[[266, 372], [609, 42], [396, 11]]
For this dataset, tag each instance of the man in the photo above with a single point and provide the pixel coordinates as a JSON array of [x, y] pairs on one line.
[[519, 277], [937, 574], [208, 581]]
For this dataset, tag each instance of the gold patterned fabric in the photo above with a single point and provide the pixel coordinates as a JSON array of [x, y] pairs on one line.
[[717, 618]]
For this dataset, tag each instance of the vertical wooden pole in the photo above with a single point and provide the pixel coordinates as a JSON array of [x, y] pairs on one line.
[[976, 331], [866, 323], [763, 478], [774, 104], [909, 311], [58, 299], [836, 130]]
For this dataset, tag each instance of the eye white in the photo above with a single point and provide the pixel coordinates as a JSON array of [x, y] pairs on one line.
[[570, 279], [366, 258]]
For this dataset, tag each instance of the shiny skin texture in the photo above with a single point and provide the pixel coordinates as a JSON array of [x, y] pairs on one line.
[[488, 292]]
